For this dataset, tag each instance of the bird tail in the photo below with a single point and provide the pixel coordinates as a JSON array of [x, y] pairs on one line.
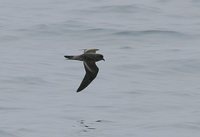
[[69, 57]]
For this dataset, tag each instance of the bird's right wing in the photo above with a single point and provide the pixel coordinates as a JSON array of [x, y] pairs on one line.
[[91, 73], [90, 50]]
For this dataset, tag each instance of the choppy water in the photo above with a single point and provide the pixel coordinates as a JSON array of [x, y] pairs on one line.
[[148, 86]]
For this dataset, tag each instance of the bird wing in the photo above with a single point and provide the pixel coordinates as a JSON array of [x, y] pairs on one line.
[[90, 50], [91, 70]]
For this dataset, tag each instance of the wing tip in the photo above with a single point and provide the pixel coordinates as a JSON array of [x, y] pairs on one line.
[[79, 90]]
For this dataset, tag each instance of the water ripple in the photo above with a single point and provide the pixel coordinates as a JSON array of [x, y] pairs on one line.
[[150, 32]]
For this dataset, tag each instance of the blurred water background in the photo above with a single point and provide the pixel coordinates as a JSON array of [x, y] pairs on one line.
[[148, 85]]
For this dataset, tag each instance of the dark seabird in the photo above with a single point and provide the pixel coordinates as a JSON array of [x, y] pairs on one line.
[[89, 58]]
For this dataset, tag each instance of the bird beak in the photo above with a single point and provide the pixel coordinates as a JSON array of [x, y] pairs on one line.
[[103, 59]]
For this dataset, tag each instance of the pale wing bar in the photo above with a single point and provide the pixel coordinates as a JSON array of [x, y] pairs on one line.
[[90, 50]]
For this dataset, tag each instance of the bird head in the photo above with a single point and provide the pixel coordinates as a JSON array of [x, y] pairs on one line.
[[101, 58]]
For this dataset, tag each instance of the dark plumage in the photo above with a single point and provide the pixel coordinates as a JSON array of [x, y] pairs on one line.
[[89, 58]]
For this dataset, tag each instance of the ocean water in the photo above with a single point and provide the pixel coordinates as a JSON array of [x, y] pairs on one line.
[[147, 87]]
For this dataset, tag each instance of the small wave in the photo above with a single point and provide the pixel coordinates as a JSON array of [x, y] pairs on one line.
[[55, 29], [10, 108], [8, 38], [28, 80], [41, 29], [126, 47], [6, 134], [149, 32], [70, 28], [122, 8], [98, 31], [118, 8], [190, 66]]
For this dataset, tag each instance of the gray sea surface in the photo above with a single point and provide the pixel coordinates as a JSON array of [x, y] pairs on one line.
[[149, 85]]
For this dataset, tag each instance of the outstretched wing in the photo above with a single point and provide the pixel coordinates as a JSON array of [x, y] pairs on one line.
[[90, 50], [91, 70]]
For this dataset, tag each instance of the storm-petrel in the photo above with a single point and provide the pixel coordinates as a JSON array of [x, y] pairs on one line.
[[89, 58]]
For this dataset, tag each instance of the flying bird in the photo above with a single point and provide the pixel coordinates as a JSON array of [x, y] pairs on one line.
[[89, 58]]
